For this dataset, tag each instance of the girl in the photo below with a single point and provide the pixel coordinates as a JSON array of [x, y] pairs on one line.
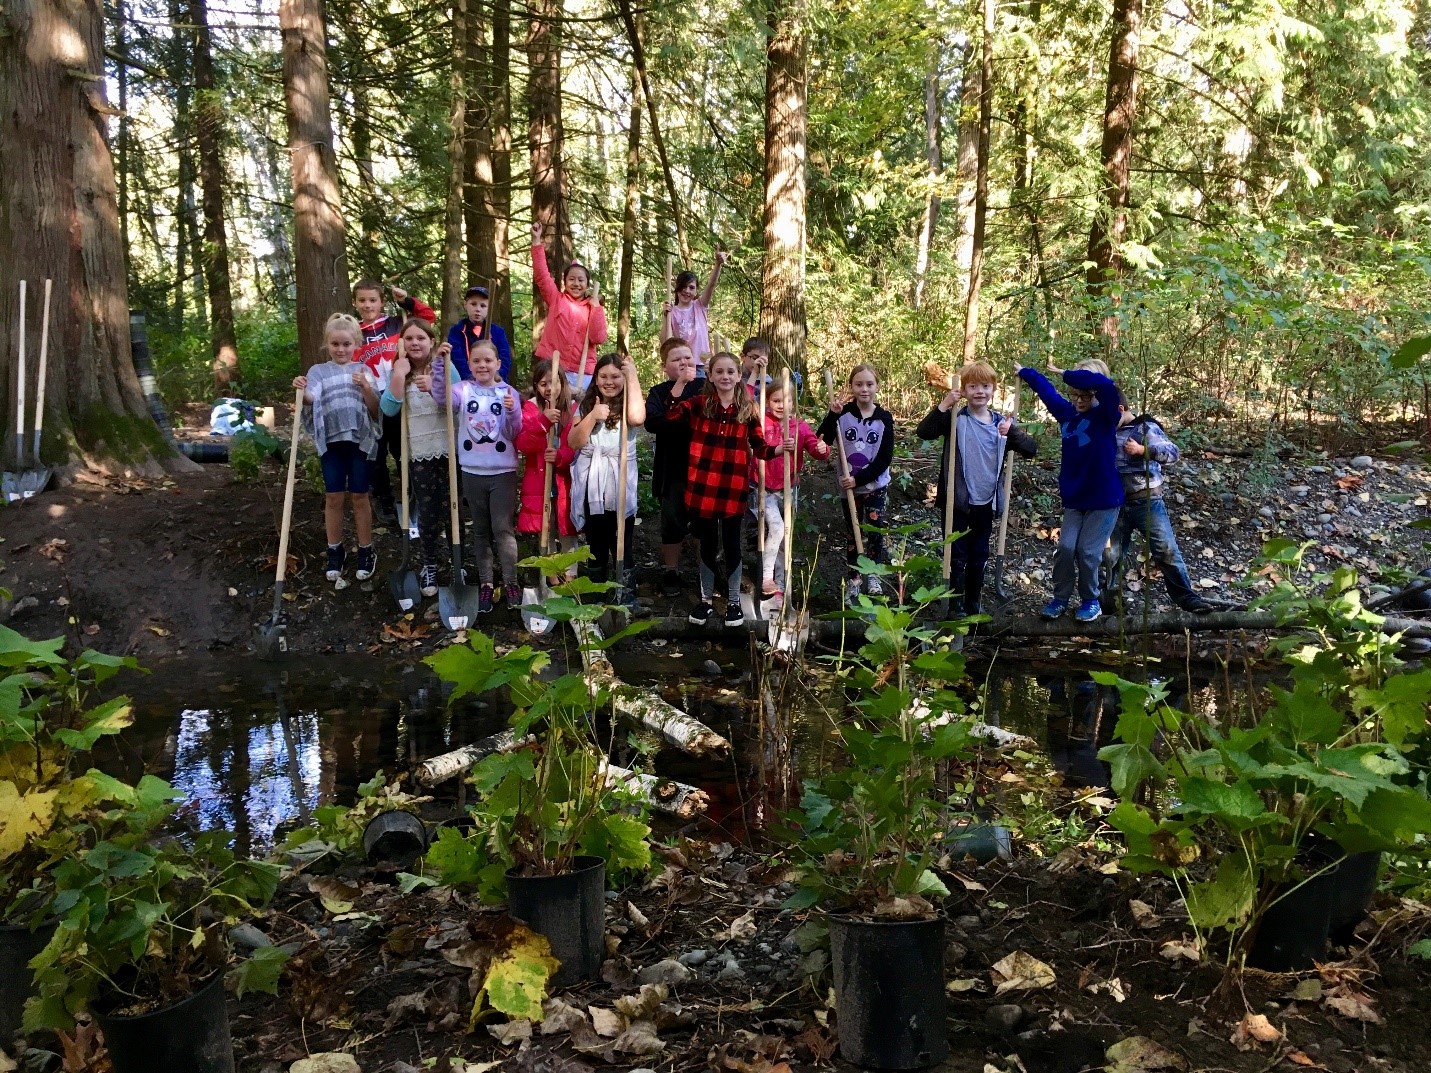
[[1088, 480], [867, 431], [411, 385], [668, 460], [779, 416], [340, 403], [688, 318], [489, 425], [571, 315], [540, 414], [985, 437], [725, 434], [596, 439]]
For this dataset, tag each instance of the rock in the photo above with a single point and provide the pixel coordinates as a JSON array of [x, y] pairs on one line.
[[248, 937], [35, 1060], [711, 669], [1004, 1017], [1300, 489], [968, 922], [669, 972], [691, 958], [1324, 518], [1228, 499], [731, 970], [331, 1062], [1266, 512], [954, 954], [1362, 462], [23, 604]]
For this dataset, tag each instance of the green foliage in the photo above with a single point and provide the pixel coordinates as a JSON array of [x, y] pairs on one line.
[[249, 449], [1328, 758], [337, 830], [517, 977]]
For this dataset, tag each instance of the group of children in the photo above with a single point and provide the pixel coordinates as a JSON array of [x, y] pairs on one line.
[[389, 376]]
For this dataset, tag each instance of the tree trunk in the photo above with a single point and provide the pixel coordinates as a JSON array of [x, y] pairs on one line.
[[981, 186], [121, 78], [1110, 227], [544, 139], [934, 158], [782, 306], [59, 219], [638, 59], [629, 218], [318, 232], [501, 105], [179, 53], [478, 219], [452, 247], [209, 129], [966, 167]]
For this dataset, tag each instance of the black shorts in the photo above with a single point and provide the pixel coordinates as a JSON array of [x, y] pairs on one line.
[[674, 523]]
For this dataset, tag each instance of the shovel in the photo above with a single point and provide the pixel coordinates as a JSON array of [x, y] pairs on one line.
[[36, 480], [1002, 596], [845, 472], [760, 536], [272, 641], [457, 603], [621, 594], [537, 624], [403, 581], [11, 481]]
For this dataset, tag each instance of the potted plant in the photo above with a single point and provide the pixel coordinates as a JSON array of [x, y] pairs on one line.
[[46, 729], [143, 915], [869, 833], [1292, 801], [548, 821]]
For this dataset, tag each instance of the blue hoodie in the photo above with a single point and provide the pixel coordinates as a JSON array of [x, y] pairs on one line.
[[1088, 472]]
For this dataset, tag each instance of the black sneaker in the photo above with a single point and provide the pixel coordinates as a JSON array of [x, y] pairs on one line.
[[337, 559], [1196, 605], [484, 599], [384, 512], [671, 583], [513, 596], [367, 562], [428, 579], [734, 616], [701, 615]]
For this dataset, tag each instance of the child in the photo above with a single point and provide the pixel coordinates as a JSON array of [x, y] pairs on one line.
[[725, 434], [596, 439], [569, 313], [673, 450], [754, 357], [491, 421], [985, 437], [540, 414], [473, 328], [376, 350], [867, 431], [1143, 450], [1088, 480], [687, 318], [341, 401], [779, 416], [410, 385]]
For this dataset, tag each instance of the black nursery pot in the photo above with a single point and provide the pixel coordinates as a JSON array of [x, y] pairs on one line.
[[569, 909], [1297, 930], [394, 837], [889, 992], [191, 1036], [18, 944]]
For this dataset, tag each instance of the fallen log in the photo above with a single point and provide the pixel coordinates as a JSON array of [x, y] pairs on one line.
[[664, 795], [441, 768]]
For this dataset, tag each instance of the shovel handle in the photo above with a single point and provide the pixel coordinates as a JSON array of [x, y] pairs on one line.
[[951, 483], [286, 524], [790, 474], [1008, 460], [845, 472], [454, 534], [549, 469], [20, 388], [40, 379], [621, 493]]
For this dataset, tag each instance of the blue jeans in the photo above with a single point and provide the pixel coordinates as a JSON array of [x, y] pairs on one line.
[[1150, 517], [1080, 551]]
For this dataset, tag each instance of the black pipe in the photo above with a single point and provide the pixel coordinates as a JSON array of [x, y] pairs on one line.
[[144, 369]]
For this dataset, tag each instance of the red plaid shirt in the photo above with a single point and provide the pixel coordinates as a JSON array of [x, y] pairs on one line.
[[718, 477]]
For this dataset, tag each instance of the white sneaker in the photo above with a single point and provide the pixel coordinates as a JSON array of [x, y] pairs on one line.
[[873, 587]]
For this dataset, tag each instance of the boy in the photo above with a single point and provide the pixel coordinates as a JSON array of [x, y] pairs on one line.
[[985, 437], [1088, 480], [1143, 450], [377, 350], [672, 456], [466, 332]]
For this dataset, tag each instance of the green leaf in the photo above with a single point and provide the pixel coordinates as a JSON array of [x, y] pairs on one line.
[[1238, 805], [408, 882], [1420, 949], [517, 978], [1411, 351], [1130, 765], [621, 841], [1400, 704], [1306, 714], [1225, 901], [109, 718], [17, 650], [259, 971], [929, 883], [457, 859]]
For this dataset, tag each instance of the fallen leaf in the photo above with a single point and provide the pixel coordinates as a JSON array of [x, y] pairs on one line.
[[328, 1062], [1297, 1058], [1353, 1004], [336, 895], [636, 916], [1139, 1054], [742, 927], [644, 1003], [56, 548], [1180, 948], [969, 884], [91, 629], [607, 1023], [1254, 1029], [639, 1039], [1143, 914], [559, 1016], [158, 631], [473, 955], [1112, 988], [1021, 972], [963, 985], [1306, 991], [511, 1032], [911, 908]]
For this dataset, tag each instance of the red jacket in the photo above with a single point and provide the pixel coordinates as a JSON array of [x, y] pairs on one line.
[[805, 440], [380, 338], [565, 326], [718, 477], [532, 445]]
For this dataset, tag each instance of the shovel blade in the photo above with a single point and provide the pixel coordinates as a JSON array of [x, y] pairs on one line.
[[406, 591], [271, 644], [34, 481], [537, 624], [10, 487], [457, 606]]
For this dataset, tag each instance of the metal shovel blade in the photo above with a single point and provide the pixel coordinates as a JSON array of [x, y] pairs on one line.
[[271, 644], [34, 481], [404, 586], [999, 596], [10, 487], [537, 624], [458, 603]]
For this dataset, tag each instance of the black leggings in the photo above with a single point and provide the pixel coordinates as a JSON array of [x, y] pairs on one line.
[[429, 488], [970, 553], [601, 535], [389, 443], [870, 509], [719, 535]]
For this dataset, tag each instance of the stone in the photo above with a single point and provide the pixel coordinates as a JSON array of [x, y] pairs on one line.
[[1266, 512], [968, 922], [1362, 462], [954, 954], [1004, 1017], [669, 972], [248, 937], [691, 958], [711, 669], [331, 1062]]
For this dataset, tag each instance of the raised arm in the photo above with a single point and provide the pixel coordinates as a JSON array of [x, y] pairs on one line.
[[1058, 406], [635, 402], [1104, 389], [541, 272], [721, 258]]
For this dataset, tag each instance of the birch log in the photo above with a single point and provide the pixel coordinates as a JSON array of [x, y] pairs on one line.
[[441, 768], [664, 795]]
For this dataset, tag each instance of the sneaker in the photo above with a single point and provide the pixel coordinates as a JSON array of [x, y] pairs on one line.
[[337, 559], [428, 579], [671, 583], [385, 512], [734, 616], [1089, 611], [484, 599], [513, 596], [1054, 608], [873, 586], [701, 615], [1196, 605], [367, 562]]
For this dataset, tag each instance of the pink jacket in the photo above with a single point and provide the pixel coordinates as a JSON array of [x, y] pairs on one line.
[[532, 445], [565, 325], [805, 440]]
